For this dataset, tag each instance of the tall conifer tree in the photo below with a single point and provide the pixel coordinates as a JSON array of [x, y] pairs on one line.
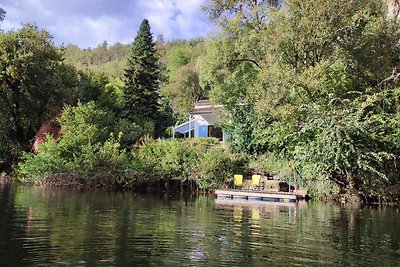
[[2, 14], [142, 76]]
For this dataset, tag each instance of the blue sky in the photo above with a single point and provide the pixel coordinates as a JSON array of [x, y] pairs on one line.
[[88, 23]]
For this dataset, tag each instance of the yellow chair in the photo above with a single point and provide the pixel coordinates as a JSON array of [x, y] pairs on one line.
[[255, 180], [238, 180]]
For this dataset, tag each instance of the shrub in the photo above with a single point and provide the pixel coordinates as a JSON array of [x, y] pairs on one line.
[[214, 168], [88, 153], [129, 133], [202, 163], [87, 150], [34, 168]]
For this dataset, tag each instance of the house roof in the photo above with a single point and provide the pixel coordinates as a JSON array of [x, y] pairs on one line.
[[202, 103], [184, 127], [198, 111], [203, 107]]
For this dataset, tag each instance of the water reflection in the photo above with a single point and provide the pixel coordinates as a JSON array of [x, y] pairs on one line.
[[50, 226]]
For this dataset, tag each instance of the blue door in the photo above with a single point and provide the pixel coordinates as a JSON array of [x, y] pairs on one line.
[[203, 131]]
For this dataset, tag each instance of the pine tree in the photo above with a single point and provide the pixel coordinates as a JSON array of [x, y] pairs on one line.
[[142, 77], [2, 14]]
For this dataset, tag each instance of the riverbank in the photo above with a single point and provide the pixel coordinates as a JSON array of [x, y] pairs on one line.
[[175, 187], [99, 155], [92, 158], [196, 164]]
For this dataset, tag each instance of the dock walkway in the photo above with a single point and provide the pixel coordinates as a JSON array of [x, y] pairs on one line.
[[261, 195]]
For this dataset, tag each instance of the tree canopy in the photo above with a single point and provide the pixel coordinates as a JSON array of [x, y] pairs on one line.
[[306, 81], [142, 76], [34, 83], [183, 66]]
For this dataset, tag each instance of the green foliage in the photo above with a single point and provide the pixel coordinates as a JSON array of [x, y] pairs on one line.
[[87, 149], [91, 86], [200, 163], [250, 13], [98, 88], [33, 169], [272, 165], [85, 123], [179, 80], [112, 96], [166, 159], [101, 164], [104, 59], [214, 169], [129, 133], [142, 77], [310, 88], [246, 129], [183, 88], [35, 84], [82, 157], [308, 85]]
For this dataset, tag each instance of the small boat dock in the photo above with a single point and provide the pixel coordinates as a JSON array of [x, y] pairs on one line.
[[260, 195]]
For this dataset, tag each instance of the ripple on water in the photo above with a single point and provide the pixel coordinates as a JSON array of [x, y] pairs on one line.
[[66, 227]]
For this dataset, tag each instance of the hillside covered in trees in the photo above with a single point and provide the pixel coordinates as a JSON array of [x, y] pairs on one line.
[[180, 62], [309, 88]]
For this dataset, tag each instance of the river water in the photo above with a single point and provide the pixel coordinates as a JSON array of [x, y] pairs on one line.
[[65, 227]]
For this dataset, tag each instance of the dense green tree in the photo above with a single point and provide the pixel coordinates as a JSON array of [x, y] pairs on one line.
[[34, 82], [91, 86], [86, 150], [112, 96], [183, 87], [251, 13], [305, 79], [142, 77]]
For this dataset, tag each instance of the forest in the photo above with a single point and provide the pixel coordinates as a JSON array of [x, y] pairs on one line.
[[310, 88]]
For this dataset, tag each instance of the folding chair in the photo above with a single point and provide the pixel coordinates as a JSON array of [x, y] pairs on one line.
[[238, 180], [255, 181]]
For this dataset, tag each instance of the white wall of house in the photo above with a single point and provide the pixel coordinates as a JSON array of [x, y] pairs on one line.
[[200, 126]]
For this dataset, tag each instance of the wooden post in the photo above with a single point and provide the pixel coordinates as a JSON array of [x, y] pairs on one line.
[[295, 177], [190, 130]]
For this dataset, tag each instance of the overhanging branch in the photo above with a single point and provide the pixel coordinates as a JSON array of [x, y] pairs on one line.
[[233, 61]]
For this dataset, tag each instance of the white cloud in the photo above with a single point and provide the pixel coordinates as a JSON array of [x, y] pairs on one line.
[[175, 19], [189, 20], [159, 13], [8, 25], [89, 23], [39, 7]]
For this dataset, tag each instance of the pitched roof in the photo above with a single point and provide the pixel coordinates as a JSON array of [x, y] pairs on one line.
[[203, 107], [184, 127]]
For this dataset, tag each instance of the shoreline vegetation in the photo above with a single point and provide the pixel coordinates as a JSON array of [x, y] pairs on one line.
[[309, 94]]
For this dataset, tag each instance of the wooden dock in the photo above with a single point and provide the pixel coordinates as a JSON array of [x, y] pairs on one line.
[[227, 202], [260, 195]]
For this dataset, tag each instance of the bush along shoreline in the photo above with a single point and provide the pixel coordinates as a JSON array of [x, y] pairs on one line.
[[90, 153], [175, 165], [181, 165]]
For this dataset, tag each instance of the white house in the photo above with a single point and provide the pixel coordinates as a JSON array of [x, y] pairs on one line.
[[202, 122]]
